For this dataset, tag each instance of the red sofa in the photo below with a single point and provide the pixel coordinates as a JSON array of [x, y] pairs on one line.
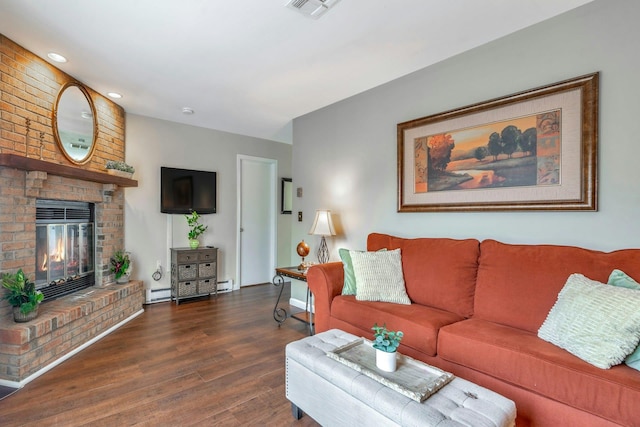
[[475, 311]]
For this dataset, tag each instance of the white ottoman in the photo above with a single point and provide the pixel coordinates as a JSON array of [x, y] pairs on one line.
[[336, 395]]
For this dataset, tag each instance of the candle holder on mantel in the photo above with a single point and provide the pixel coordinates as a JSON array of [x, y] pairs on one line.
[[27, 122], [41, 144]]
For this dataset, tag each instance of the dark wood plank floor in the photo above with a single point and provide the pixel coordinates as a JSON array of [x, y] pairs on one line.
[[205, 362]]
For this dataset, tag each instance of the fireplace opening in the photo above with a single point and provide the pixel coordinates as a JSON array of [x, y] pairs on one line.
[[65, 247]]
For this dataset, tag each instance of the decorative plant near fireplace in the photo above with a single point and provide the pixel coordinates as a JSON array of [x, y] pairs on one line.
[[119, 168], [121, 266], [22, 296]]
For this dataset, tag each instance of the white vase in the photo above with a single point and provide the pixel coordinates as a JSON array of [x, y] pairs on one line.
[[386, 361]]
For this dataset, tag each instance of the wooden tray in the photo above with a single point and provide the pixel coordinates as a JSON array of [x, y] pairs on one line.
[[412, 378]]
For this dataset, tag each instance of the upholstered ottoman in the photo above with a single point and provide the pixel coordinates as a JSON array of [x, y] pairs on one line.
[[334, 394]]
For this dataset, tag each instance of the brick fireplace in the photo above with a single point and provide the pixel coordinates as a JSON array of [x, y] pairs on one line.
[[68, 323], [32, 168]]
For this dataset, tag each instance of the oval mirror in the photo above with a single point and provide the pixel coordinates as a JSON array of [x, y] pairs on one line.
[[75, 127]]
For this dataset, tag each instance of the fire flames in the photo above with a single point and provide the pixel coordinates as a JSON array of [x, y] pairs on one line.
[[57, 255]]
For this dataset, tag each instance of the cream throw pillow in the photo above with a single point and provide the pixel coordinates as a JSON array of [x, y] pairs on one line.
[[379, 276], [598, 323]]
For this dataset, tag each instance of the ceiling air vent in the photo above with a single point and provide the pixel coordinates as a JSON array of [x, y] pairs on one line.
[[312, 8]]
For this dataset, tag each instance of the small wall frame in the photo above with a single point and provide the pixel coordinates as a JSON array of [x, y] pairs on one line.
[[286, 196]]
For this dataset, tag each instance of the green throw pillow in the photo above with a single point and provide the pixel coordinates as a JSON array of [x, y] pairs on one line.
[[349, 287], [621, 279]]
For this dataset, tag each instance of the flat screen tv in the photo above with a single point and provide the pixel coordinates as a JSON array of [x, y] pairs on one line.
[[185, 190]]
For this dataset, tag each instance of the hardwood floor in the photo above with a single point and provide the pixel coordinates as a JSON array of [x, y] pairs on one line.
[[203, 363]]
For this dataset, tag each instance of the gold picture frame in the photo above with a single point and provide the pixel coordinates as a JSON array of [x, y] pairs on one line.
[[533, 150]]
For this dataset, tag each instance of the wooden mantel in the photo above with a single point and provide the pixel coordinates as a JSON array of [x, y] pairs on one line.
[[30, 164]]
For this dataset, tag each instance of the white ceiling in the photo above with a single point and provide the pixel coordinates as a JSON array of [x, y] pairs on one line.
[[252, 66]]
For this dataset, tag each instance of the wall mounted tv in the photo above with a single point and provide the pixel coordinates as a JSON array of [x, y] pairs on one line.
[[184, 190]]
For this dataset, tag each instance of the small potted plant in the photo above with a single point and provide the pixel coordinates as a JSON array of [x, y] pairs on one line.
[[195, 229], [121, 266], [386, 343], [22, 296], [119, 169]]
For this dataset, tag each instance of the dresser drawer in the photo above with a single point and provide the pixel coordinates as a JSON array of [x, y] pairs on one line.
[[207, 255], [207, 269], [206, 286], [187, 256], [187, 288], [187, 271]]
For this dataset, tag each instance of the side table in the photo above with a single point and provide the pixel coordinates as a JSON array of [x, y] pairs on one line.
[[280, 314]]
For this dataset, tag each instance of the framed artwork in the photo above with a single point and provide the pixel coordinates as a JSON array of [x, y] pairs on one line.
[[534, 150]]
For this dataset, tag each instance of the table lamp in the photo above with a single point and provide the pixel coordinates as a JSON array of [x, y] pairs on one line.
[[323, 226]]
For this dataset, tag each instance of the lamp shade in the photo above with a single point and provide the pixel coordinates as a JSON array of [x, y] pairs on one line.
[[322, 224]]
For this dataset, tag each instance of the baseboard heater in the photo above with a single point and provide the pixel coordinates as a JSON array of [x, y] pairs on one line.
[[161, 295]]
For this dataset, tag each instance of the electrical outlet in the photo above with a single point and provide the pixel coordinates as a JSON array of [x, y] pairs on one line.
[[299, 192], [299, 216]]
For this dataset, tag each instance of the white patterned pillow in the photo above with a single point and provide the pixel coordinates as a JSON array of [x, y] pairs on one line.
[[598, 323], [379, 276]]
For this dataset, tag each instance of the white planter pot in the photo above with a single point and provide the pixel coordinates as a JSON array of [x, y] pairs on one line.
[[126, 276], [386, 361]]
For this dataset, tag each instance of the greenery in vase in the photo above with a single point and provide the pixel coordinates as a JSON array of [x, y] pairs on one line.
[[22, 293], [121, 166], [120, 263], [386, 340], [195, 228]]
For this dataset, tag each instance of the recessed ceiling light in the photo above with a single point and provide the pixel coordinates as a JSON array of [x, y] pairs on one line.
[[187, 110], [114, 95], [56, 57]]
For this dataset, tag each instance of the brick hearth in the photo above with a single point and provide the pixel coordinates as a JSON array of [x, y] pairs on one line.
[[63, 326]]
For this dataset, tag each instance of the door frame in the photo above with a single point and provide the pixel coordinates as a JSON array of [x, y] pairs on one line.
[[273, 172]]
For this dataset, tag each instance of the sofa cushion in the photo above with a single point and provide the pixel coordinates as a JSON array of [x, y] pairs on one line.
[[521, 358], [379, 276], [438, 272], [518, 284], [598, 323], [420, 324]]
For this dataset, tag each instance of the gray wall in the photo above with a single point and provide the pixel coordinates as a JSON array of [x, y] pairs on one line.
[[344, 155], [151, 143]]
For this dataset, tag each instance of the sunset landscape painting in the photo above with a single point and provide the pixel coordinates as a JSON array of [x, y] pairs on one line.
[[523, 151]]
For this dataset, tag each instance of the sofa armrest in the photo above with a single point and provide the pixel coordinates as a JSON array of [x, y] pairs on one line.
[[325, 282]]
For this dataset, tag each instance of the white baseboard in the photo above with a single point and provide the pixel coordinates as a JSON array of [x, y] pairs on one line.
[[294, 302], [225, 286], [153, 296], [157, 295], [20, 384]]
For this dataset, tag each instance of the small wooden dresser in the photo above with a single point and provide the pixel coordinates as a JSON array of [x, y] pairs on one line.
[[194, 272]]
